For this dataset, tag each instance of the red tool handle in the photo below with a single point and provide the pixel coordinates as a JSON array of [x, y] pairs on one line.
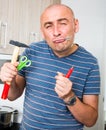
[[7, 85], [5, 91], [69, 72]]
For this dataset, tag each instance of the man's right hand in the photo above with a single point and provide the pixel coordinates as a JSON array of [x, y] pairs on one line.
[[8, 72]]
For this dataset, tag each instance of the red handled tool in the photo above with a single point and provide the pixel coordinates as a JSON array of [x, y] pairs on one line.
[[14, 59], [69, 72]]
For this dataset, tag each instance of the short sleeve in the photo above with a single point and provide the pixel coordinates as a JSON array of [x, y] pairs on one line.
[[92, 85]]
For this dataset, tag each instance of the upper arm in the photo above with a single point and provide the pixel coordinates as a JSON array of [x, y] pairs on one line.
[[91, 100]]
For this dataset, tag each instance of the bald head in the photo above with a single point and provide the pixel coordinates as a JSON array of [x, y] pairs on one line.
[[57, 7]]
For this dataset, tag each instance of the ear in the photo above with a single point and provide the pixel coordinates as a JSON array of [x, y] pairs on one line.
[[76, 25]]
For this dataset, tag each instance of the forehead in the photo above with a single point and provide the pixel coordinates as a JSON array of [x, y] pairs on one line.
[[55, 13]]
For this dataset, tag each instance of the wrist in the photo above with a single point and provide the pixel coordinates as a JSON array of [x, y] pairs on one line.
[[72, 94], [70, 100]]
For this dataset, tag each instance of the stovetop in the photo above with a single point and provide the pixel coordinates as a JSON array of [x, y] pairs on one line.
[[15, 126]]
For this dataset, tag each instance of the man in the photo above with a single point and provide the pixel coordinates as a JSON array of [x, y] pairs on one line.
[[53, 101]]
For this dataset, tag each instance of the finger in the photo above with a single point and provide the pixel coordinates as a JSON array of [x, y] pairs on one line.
[[8, 76], [59, 87], [58, 91], [16, 64], [10, 67], [8, 72], [60, 83], [59, 75]]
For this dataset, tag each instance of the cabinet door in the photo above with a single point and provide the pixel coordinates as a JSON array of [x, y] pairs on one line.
[[20, 21]]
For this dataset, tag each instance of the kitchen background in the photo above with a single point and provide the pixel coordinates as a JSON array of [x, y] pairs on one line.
[[19, 20]]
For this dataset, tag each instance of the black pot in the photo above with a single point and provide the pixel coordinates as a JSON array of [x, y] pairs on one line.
[[6, 116]]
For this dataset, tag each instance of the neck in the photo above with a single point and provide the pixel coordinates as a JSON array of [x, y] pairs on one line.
[[68, 52]]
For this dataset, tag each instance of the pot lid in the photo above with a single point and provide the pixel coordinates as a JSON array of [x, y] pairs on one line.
[[5, 109]]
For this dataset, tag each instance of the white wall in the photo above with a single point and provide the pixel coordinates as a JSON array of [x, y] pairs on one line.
[[92, 35], [104, 57]]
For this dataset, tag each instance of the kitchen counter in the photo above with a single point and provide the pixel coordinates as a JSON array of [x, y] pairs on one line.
[[15, 126]]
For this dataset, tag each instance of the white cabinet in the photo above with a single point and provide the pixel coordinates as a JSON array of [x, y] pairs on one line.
[[20, 21]]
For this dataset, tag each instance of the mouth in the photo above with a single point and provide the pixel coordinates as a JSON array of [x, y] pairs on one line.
[[59, 40]]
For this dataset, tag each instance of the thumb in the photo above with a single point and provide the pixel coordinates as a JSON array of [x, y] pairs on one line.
[[16, 64], [60, 74]]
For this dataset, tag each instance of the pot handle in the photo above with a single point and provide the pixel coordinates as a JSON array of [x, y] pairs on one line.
[[15, 116]]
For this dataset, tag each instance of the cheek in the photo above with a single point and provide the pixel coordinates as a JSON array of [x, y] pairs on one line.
[[67, 32], [47, 35]]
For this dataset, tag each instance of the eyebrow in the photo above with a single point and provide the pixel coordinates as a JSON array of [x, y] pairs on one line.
[[62, 19], [59, 20]]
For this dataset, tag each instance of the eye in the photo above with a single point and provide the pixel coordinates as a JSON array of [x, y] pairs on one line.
[[63, 23], [47, 26]]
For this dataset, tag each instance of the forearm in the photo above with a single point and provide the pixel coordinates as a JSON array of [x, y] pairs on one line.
[[84, 113], [16, 88], [14, 92]]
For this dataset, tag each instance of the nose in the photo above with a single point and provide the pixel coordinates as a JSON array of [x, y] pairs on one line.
[[56, 31]]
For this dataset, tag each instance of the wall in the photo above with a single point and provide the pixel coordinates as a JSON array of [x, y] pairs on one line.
[[22, 18], [104, 58], [91, 15]]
